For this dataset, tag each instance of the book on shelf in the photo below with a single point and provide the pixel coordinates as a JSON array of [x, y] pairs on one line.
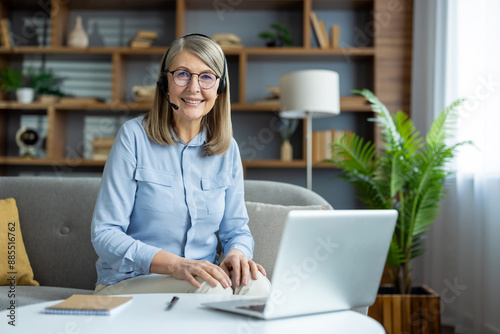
[[322, 39], [101, 147], [335, 36], [147, 34], [321, 143], [228, 40], [141, 43], [143, 39], [324, 33], [5, 38], [89, 305]]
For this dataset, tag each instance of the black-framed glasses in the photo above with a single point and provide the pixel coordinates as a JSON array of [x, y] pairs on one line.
[[183, 77]]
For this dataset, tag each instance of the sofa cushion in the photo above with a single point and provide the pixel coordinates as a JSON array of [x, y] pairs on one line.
[[15, 268], [266, 222]]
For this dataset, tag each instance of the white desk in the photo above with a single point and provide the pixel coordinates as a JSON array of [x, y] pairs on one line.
[[146, 314]]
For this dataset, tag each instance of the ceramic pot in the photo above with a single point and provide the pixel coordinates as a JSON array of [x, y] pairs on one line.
[[78, 37], [286, 151], [25, 95]]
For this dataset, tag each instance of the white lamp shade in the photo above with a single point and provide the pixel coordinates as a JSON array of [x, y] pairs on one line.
[[314, 91]]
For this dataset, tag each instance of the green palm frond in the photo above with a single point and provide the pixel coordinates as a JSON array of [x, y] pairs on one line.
[[390, 134], [443, 125], [408, 175], [357, 158]]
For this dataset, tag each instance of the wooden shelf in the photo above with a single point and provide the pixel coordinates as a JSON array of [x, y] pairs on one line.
[[19, 161], [91, 50], [116, 106], [283, 164], [285, 51], [346, 106]]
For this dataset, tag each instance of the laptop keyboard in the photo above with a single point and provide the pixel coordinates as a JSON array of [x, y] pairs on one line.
[[256, 308]]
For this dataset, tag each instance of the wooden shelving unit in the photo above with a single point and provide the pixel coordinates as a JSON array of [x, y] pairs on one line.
[[390, 45]]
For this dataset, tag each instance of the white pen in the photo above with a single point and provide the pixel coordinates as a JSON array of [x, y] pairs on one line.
[[172, 303]]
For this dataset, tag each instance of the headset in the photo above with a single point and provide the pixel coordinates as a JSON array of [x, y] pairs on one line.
[[163, 81]]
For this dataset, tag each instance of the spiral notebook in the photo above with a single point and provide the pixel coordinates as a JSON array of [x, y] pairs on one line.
[[89, 305]]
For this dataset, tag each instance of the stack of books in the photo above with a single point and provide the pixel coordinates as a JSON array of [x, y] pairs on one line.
[[321, 33], [101, 146], [228, 41], [143, 39]]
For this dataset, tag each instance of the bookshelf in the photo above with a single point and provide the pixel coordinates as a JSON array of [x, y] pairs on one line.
[[383, 63]]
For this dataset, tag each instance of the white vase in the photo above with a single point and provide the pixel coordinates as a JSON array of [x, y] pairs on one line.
[[78, 37], [286, 151], [25, 94]]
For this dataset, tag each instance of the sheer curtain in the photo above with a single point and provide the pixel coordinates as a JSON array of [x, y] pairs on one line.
[[462, 262]]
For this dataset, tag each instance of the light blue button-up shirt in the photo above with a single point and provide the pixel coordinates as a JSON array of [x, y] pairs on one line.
[[174, 198]]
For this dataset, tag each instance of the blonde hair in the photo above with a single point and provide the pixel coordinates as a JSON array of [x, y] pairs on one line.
[[159, 122]]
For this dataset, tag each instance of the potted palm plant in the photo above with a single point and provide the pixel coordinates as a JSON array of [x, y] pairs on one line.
[[408, 174]]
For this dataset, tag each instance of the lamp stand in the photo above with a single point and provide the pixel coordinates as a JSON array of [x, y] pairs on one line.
[[309, 150]]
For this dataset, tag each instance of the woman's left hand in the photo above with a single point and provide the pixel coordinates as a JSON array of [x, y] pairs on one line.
[[242, 267]]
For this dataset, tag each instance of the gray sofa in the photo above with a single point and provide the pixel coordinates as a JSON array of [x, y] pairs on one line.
[[55, 216]]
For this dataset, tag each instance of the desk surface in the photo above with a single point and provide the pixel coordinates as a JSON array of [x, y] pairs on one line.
[[147, 313]]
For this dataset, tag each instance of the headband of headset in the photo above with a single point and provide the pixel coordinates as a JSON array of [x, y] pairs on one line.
[[163, 82]]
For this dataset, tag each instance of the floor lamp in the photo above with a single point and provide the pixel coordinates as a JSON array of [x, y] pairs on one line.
[[309, 94]]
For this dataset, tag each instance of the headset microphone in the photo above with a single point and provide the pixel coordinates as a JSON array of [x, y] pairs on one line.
[[175, 106]]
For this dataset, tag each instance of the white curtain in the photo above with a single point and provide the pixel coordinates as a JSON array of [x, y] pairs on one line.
[[462, 59]]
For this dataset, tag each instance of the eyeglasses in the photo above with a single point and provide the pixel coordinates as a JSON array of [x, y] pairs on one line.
[[183, 77]]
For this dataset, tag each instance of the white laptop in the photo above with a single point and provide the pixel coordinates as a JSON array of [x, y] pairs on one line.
[[328, 260]]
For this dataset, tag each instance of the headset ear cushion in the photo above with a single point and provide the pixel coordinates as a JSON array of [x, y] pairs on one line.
[[222, 85], [163, 83]]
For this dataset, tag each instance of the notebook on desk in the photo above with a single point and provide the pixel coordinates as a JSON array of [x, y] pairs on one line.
[[327, 261]]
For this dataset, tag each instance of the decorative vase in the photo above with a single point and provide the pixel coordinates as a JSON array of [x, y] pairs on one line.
[[25, 94], [286, 151], [78, 37]]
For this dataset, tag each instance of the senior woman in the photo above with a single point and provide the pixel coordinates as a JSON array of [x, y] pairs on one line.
[[174, 179]]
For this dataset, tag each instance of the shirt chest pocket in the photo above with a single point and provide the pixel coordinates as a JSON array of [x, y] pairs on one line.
[[214, 190], [155, 190]]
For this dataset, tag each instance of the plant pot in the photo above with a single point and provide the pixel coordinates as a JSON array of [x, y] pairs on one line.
[[48, 99], [276, 43], [418, 312], [25, 95]]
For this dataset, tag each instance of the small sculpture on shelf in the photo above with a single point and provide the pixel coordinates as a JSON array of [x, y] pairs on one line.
[[26, 140], [78, 38], [287, 127]]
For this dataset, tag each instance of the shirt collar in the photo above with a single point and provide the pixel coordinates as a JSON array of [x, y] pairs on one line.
[[199, 140]]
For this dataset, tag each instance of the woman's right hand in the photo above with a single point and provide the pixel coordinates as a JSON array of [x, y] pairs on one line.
[[186, 269]]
